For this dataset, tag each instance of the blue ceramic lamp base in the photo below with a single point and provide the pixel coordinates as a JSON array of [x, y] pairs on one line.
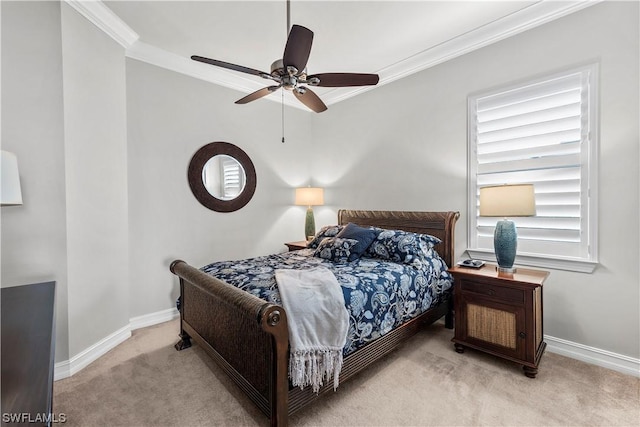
[[505, 243]]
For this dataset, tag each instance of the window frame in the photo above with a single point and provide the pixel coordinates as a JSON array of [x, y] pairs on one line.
[[589, 177]]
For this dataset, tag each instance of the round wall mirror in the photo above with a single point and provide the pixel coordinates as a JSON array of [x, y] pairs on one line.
[[222, 177]]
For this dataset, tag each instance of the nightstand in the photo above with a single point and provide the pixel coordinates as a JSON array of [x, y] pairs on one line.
[[294, 246], [500, 313]]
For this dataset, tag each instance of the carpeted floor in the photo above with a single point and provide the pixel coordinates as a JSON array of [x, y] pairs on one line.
[[146, 382]]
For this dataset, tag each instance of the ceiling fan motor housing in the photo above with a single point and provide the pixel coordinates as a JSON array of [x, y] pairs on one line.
[[288, 78], [277, 68]]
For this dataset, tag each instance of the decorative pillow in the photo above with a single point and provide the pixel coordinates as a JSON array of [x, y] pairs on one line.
[[401, 246], [326, 231], [335, 249], [364, 236]]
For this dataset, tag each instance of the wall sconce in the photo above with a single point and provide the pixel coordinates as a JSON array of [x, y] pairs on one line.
[[10, 193], [507, 201], [309, 196]]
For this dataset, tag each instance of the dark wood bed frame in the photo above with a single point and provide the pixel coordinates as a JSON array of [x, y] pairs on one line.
[[249, 339]]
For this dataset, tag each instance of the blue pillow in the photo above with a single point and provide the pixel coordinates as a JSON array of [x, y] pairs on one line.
[[326, 231], [401, 246], [364, 236], [335, 249]]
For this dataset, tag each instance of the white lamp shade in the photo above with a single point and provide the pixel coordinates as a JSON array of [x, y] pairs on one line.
[[10, 194], [507, 200], [309, 196]]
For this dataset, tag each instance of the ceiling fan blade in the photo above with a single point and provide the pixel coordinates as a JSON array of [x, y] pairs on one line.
[[345, 79], [229, 65], [257, 94], [310, 99], [298, 47]]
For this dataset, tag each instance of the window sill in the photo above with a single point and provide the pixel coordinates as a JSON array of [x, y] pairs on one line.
[[568, 264]]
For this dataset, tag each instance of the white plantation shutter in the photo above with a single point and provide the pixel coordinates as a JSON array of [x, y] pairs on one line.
[[540, 133]]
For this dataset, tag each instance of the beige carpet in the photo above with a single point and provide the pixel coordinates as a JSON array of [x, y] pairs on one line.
[[146, 382]]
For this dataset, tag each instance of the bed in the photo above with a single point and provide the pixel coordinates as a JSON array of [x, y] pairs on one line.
[[246, 332]]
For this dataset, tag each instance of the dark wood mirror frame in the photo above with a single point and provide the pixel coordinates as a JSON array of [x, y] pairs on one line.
[[194, 175]]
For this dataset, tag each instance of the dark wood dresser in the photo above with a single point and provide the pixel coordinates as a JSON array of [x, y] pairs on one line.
[[28, 351]]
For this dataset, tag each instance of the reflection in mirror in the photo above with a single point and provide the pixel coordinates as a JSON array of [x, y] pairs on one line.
[[223, 177]]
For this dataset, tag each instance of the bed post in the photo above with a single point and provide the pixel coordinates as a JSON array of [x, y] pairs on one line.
[[185, 339], [452, 218], [274, 321], [448, 317]]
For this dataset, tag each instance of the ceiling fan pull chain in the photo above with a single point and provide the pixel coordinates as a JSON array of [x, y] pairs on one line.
[[282, 93]]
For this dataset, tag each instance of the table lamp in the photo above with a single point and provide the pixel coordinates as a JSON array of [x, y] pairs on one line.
[[10, 194], [507, 201], [309, 196]]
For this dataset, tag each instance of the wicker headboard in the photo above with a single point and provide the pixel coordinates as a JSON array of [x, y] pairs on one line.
[[438, 224]]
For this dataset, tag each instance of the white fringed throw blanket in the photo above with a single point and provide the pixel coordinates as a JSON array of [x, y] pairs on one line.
[[318, 325]]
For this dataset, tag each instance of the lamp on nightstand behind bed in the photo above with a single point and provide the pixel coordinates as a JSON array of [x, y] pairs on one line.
[[309, 196], [507, 201]]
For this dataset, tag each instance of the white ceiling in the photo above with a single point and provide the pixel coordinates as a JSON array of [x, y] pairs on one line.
[[391, 38]]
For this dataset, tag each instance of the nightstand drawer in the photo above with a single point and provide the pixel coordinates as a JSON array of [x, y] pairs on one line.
[[499, 292]]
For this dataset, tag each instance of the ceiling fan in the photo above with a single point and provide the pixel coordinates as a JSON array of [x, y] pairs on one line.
[[290, 72]]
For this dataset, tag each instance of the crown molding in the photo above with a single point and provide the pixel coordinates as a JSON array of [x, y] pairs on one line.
[[525, 19], [161, 58], [102, 17], [153, 55]]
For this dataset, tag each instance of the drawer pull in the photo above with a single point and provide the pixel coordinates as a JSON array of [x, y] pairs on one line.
[[522, 335], [492, 292]]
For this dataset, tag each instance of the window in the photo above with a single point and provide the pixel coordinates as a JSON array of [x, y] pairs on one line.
[[543, 133]]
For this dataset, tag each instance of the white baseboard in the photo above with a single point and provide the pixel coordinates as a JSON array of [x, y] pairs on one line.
[[153, 318], [595, 356], [84, 358], [617, 362], [69, 367]]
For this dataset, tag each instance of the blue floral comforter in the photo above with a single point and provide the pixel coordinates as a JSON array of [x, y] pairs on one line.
[[379, 295]]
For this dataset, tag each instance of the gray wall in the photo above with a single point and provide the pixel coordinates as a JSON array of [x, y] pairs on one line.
[[404, 146], [107, 205], [96, 181], [170, 116], [34, 245], [64, 115]]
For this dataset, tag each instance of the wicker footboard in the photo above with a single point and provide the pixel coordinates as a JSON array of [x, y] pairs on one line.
[[247, 337]]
